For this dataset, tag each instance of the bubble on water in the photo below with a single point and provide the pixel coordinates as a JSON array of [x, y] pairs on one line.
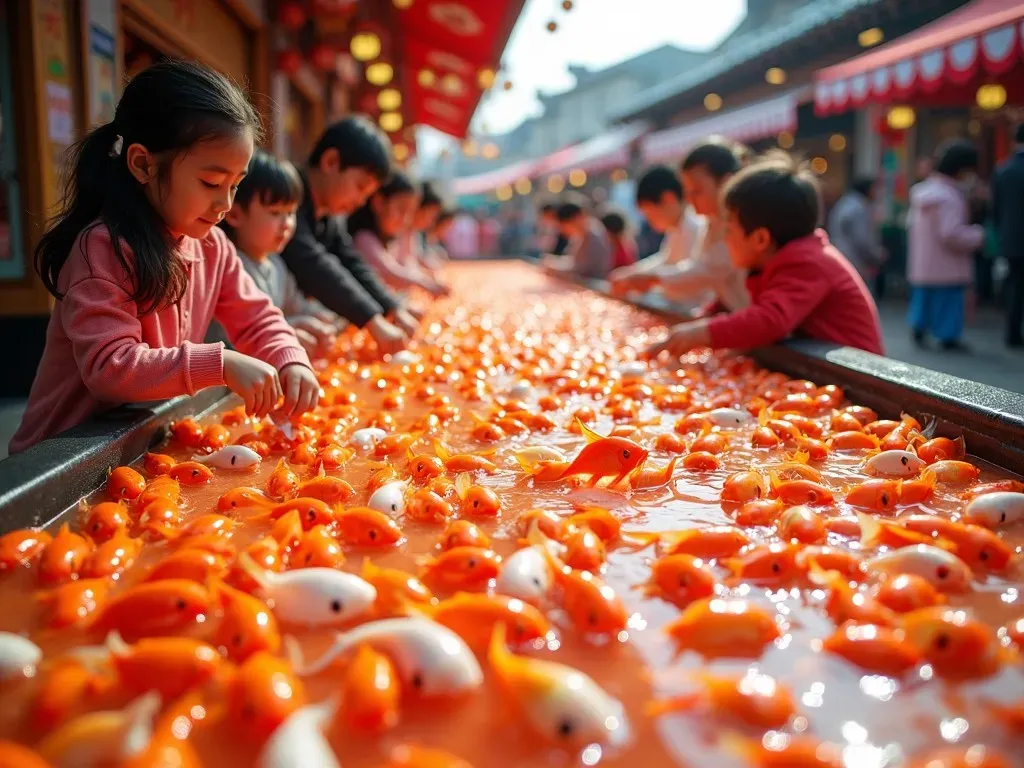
[[953, 729], [878, 687], [1010, 596], [854, 732], [591, 755], [870, 756], [815, 695]]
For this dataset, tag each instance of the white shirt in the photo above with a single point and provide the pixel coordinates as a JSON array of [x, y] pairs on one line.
[[708, 273]]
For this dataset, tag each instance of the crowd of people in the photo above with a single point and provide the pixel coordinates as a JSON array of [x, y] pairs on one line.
[[702, 256], [183, 257]]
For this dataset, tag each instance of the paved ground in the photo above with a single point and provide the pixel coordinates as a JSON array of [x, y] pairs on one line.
[[988, 362]]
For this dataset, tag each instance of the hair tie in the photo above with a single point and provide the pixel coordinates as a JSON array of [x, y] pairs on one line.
[[115, 151]]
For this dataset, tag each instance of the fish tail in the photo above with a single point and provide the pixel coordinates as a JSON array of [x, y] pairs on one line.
[[870, 531], [819, 575], [961, 447], [590, 435], [762, 417], [252, 570], [116, 645], [463, 482], [678, 703], [442, 451], [527, 466], [305, 668], [497, 650], [644, 538]]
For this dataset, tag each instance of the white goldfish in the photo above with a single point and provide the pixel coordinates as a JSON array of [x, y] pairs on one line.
[[526, 575], [729, 417], [230, 457], [299, 741], [996, 509], [19, 656], [895, 463], [560, 703], [390, 498], [313, 597], [367, 437], [944, 570], [429, 657]]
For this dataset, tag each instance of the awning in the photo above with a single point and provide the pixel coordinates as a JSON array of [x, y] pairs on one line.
[[609, 150], [483, 183], [445, 45], [754, 121], [984, 35]]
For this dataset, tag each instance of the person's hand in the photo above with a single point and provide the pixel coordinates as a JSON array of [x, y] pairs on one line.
[[322, 333], [630, 282], [416, 312], [301, 390], [253, 380], [389, 337], [406, 321], [680, 340], [307, 340], [439, 290]]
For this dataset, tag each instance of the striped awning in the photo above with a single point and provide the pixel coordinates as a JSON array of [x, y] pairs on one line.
[[600, 153], [483, 183]]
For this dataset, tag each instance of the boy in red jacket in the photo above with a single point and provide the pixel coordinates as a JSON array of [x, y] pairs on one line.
[[799, 284]]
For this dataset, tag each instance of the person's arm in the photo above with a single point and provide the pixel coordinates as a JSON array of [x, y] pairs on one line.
[[593, 257], [954, 232], [792, 294], [387, 264], [341, 246], [253, 324], [325, 276], [102, 323]]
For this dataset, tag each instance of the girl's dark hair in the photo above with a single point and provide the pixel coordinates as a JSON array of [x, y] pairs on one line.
[[429, 195], [655, 182], [445, 214], [718, 156], [955, 156], [167, 108], [270, 180], [365, 218], [615, 222]]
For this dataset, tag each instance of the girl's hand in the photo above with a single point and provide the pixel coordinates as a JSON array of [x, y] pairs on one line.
[[322, 333], [253, 380], [301, 390], [389, 337], [308, 341]]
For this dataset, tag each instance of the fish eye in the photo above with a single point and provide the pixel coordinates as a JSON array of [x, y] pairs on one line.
[[942, 572], [394, 507], [904, 460], [684, 581], [417, 680], [776, 568], [180, 604], [812, 496], [372, 534], [536, 582], [195, 473], [471, 563], [625, 454], [885, 499], [336, 606], [942, 641], [983, 555], [233, 459], [237, 640], [234, 503], [419, 467], [592, 618], [565, 728], [1002, 517]]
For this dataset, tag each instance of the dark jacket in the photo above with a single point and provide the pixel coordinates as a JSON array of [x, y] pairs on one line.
[[328, 268], [1008, 207]]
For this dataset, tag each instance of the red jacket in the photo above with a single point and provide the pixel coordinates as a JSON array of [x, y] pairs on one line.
[[807, 289]]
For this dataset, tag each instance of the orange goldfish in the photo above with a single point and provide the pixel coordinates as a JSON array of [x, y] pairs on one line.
[[245, 498], [874, 648], [396, 589], [599, 520], [334, 456], [605, 456], [717, 628], [759, 512], [426, 506], [63, 557], [875, 494], [246, 627], [953, 471], [881, 428], [584, 549], [68, 686], [711, 543], [191, 473], [669, 442], [463, 462], [742, 487], [956, 645], [800, 524], [876, 533], [106, 519], [461, 568], [846, 603], [592, 606], [193, 564], [370, 693], [908, 592], [755, 699], [763, 437], [287, 531], [653, 477], [391, 445], [852, 441], [701, 461], [941, 449], [282, 481], [73, 603], [112, 557], [316, 548], [20, 547], [169, 665], [680, 579], [154, 608], [311, 511], [845, 422], [423, 468], [800, 491], [463, 533], [476, 500], [262, 694], [124, 483], [365, 527], [330, 490], [975, 545], [473, 617], [382, 475], [188, 432], [919, 490], [710, 442], [1013, 486], [764, 564]]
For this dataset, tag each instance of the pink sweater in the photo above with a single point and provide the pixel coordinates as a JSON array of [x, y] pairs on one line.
[[100, 352], [941, 237]]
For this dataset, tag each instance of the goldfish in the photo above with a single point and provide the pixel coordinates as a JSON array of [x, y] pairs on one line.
[[710, 543], [680, 579], [365, 527], [282, 481], [191, 473], [238, 457], [215, 437], [21, 547], [710, 442], [876, 533], [899, 437], [67, 687], [849, 564], [941, 449], [881, 428], [669, 442], [944, 570], [463, 533], [953, 471], [845, 422], [878, 649], [996, 509], [63, 557], [382, 475], [161, 518], [800, 524], [473, 616], [311, 511], [894, 463], [956, 645], [800, 491], [584, 549], [527, 574], [755, 699], [124, 483], [288, 530], [245, 498], [919, 490], [463, 462], [105, 737], [188, 432], [605, 456], [316, 548], [1014, 486], [73, 603], [701, 461], [653, 477], [758, 512], [168, 665], [106, 519], [432, 661], [370, 693], [876, 494], [908, 592], [262, 694], [542, 470], [14, 755], [764, 564], [815, 449], [975, 545], [154, 608], [112, 557], [330, 490], [476, 500], [303, 454], [415, 756], [334, 456], [848, 604], [461, 568], [396, 588], [194, 564], [312, 597], [426, 506], [423, 468], [246, 626], [742, 487], [718, 628], [561, 704], [852, 441]]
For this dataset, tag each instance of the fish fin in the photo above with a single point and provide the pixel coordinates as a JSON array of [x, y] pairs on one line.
[[590, 435], [530, 468], [774, 481], [320, 471], [961, 447], [870, 530], [252, 570], [463, 482], [642, 538], [762, 417], [819, 575], [677, 703], [498, 653], [442, 451], [116, 644], [928, 430], [800, 457], [368, 569]]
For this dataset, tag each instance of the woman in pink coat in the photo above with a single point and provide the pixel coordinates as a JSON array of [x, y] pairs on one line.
[[942, 241]]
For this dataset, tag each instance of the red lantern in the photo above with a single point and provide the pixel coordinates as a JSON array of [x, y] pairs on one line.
[[291, 15], [289, 61], [323, 56], [891, 137]]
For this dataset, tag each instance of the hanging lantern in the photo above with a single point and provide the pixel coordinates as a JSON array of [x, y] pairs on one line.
[[402, 4], [485, 78], [291, 15], [991, 96], [364, 46], [900, 118], [379, 73], [323, 56], [401, 152], [524, 186], [567, 5], [389, 99], [426, 78], [390, 121], [552, 26], [289, 61], [712, 102]]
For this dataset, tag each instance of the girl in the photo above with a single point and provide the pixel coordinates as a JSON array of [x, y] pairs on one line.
[[623, 245], [140, 269], [376, 226], [412, 249]]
